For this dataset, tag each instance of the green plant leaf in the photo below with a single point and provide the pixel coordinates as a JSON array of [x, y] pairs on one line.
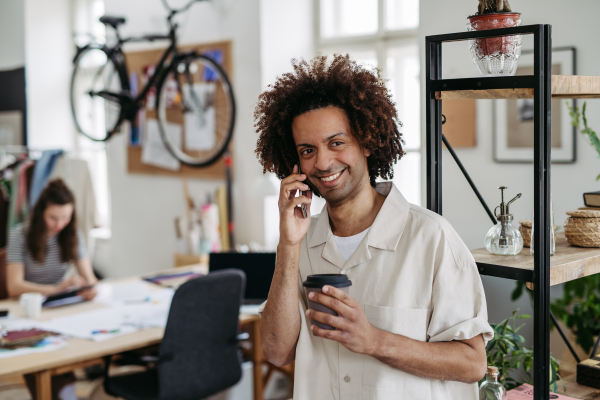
[[524, 316], [518, 291]]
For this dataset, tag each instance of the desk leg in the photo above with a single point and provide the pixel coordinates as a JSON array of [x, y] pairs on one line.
[[257, 360], [43, 385]]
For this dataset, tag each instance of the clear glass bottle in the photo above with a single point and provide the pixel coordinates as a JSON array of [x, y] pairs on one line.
[[491, 389], [503, 238], [552, 232]]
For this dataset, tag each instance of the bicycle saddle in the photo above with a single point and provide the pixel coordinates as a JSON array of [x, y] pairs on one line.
[[112, 21]]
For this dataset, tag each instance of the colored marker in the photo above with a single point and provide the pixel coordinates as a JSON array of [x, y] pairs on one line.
[[105, 331]]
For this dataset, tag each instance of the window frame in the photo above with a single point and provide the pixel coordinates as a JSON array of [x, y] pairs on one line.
[[381, 42]]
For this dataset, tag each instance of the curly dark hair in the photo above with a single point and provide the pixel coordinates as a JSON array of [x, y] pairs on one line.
[[320, 83], [56, 192]]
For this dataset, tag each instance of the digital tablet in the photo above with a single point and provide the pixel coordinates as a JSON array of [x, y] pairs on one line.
[[64, 298]]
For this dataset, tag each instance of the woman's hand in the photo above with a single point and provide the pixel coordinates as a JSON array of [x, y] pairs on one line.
[[74, 281], [292, 224], [88, 294]]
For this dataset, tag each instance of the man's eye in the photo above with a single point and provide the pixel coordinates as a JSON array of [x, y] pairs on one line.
[[307, 151], [336, 143]]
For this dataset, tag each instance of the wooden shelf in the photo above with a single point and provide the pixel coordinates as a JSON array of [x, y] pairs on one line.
[[567, 264], [578, 391], [563, 87]]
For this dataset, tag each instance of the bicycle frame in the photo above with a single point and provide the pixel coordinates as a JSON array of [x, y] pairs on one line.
[[115, 53]]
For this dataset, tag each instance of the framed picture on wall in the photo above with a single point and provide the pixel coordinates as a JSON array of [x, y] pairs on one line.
[[513, 118]]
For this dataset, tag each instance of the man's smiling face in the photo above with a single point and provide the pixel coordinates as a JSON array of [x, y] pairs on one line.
[[330, 155]]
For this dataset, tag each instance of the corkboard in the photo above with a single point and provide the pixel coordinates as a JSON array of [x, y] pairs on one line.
[[459, 128], [136, 62]]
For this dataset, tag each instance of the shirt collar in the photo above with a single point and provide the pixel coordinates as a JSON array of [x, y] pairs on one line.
[[387, 227]]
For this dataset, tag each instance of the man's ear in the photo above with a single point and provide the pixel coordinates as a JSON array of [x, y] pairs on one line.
[[366, 152]]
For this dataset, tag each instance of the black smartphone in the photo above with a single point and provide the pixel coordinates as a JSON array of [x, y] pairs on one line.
[[303, 206]]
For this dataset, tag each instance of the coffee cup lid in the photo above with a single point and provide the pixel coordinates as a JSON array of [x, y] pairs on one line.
[[320, 280]]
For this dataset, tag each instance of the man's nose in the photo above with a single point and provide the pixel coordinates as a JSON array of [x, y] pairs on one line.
[[324, 160]]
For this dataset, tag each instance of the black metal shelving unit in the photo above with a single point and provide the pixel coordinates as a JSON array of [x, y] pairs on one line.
[[540, 82]]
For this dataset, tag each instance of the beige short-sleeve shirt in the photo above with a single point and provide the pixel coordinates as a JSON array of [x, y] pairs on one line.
[[413, 276]]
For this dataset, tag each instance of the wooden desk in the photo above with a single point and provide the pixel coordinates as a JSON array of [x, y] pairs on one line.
[[80, 353]]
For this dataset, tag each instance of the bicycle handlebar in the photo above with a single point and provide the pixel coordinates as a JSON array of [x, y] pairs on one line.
[[174, 11]]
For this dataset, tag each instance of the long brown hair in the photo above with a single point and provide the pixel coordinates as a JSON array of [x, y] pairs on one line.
[[55, 193]]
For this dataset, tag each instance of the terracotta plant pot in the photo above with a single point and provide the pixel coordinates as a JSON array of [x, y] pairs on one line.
[[495, 56], [495, 21]]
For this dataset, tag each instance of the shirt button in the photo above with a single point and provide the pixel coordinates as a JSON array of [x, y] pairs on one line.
[[346, 379]]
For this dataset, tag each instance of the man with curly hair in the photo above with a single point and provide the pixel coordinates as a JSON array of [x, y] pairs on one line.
[[414, 324]]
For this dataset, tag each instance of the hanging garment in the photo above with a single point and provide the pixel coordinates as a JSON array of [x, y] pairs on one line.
[[4, 205], [76, 174], [41, 173], [18, 208], [23, 188]]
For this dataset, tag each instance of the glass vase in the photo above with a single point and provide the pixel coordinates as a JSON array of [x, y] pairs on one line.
[[497, 56], [552, 233]]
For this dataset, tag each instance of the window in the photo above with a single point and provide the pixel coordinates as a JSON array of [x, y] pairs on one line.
[[87, 28], [382, 34]]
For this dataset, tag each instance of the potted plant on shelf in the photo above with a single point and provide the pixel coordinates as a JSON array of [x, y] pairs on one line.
[[507, 352], [496, 56], [579, 310], [591, 134]]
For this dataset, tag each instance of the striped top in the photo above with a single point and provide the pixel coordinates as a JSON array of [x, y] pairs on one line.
[[53, 269]]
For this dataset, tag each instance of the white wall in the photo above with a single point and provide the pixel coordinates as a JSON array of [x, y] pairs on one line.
[[144, 206], [49, 50], [575, 25], [12, 34], [286, 32]]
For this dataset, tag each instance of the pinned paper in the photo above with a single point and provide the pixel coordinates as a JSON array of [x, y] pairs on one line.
[[154, 151], [200, 122], [210, 74]]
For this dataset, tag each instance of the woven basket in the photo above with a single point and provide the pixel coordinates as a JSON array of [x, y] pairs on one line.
[[525, 229], [582, 228]]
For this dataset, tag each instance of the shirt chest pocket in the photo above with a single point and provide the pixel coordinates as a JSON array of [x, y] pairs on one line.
[[382, 380], [409, 322]]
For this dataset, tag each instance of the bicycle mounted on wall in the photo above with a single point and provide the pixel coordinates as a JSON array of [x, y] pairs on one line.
[[189, 86]]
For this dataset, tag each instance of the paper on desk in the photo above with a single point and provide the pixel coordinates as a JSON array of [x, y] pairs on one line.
[[16, 323], [117, 319], [124, 291], [154, 151], [48, 344], [249, 309], [200, 124]]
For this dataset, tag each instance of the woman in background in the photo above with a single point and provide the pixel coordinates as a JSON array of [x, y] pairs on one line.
[[39, 254]]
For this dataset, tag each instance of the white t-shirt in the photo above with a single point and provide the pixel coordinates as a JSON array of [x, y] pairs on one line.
[[348, 245]]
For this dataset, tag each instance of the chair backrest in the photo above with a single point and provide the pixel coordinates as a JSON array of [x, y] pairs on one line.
[[3, 283], [199, 353]]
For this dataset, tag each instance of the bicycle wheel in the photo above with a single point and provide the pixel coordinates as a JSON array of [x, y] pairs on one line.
[[94, 71], [196, 110]]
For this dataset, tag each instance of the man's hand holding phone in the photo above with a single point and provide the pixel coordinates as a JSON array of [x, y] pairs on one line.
[[292, 223]]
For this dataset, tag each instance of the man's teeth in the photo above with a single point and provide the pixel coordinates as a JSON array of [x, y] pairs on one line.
[[331, 178]]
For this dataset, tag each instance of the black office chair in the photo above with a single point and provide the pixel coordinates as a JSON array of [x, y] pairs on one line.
[[199, 354]]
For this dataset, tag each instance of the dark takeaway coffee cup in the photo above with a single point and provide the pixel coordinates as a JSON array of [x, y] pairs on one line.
[[315, 283]]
